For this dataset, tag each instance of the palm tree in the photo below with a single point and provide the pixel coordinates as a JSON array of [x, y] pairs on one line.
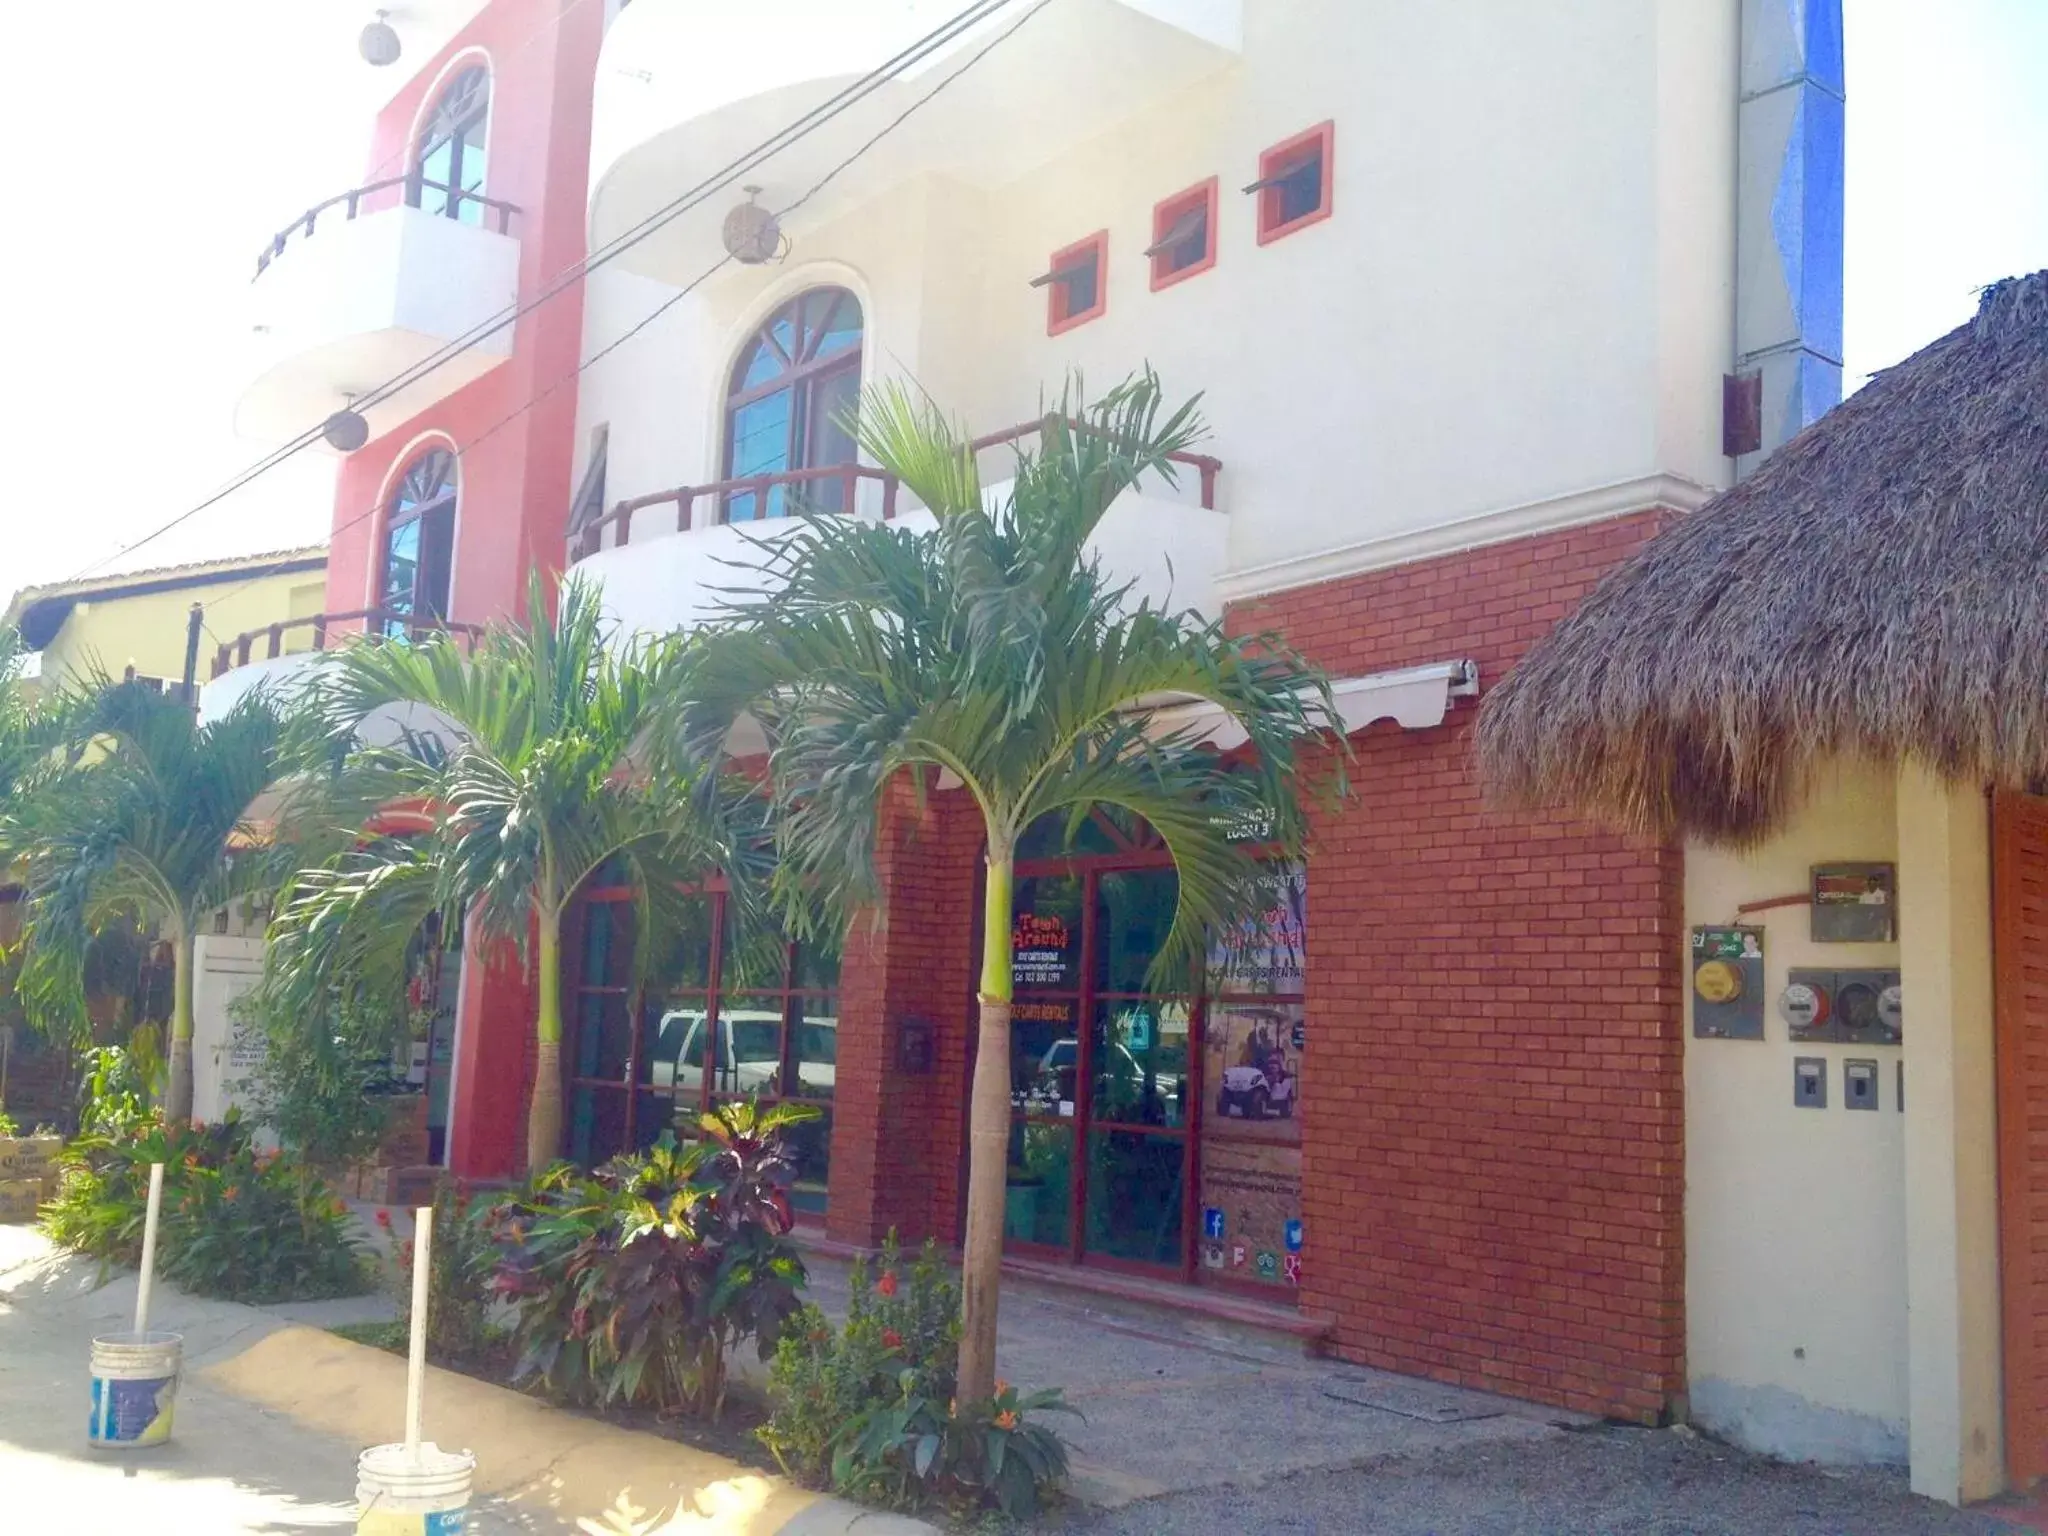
[[147, 818], [994, 651], [531, 784]]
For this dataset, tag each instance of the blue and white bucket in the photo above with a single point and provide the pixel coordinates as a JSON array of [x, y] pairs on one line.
[[423, 1492], [134, 1388]]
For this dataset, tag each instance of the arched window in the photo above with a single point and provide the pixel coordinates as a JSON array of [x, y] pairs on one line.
[[448, 161], [796, 377], [419, 543]]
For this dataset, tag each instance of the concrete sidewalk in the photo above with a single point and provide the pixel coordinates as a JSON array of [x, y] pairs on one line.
[[273, 1411]]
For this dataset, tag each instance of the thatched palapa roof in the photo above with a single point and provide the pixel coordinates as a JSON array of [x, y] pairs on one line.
[[1878, 589]]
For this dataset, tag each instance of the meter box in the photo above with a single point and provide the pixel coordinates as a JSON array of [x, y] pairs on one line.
[[1856, 1007], [1728, 983], [1855, 903]]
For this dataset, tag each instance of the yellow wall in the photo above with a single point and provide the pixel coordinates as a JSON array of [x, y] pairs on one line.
[[148, 632], [1796, 1237]]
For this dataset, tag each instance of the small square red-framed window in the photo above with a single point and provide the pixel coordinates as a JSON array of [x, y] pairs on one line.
[[1183, 235], [1076, 283], [1294, 182]]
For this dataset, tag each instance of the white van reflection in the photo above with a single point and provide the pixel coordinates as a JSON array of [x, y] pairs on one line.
[[749, 1053]]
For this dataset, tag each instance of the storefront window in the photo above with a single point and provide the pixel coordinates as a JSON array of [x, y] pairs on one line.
[[705, 1023], [1252, 1231]]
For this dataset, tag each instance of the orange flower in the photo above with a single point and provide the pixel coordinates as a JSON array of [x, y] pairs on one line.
[[892, 1339], [1006, 1420], [1002, 1386], [887, 1284], [231, 1191]]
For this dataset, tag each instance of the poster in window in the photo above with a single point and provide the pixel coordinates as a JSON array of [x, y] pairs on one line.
[[1252, 1069], [1042, 946], [1266, 954], [1252, 1229]]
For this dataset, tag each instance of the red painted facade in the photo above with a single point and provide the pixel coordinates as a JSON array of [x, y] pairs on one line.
[[515, 462]]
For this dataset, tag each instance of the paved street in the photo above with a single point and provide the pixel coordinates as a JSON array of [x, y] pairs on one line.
[[1599, 1482]]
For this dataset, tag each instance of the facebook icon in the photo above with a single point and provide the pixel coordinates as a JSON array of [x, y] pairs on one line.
[[1212, 1221]]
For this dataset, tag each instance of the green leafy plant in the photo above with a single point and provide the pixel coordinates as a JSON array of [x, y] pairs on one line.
[[113, 1095], [901, 1318], [538, 782], [465, 1256], [870, 1409], [993, 648], [237, 1223], [963, 1455], [634, 1282], [319, 1075], [145, 822]]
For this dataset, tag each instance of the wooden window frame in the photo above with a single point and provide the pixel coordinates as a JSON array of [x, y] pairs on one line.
[[1273, 162], [1168, 210], [1058, 319], [476, 113], [804, 378]]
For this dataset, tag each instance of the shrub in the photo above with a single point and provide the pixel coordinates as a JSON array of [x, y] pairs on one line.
[[236, 1223], [633, 1282], [458, 1289], [824, 1379], [869, 1410]]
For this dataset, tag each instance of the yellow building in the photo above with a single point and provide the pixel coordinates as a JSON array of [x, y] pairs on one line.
[[138, 620]]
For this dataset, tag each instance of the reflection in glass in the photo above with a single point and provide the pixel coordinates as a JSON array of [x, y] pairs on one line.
[[1133, 911], [1134, 1196], [1045, 1056], [810, 1144], [1039, 1184], [683, 955], [1140, 1054], [749, 1040], [760, 446], [597, 1125], [814, 1045], [603, 1036]]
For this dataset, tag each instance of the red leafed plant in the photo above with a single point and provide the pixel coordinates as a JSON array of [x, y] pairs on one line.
[[634, 1282]]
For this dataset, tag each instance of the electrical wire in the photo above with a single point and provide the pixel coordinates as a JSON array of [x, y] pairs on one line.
[[312, 434], [698, 281], [962, 21]]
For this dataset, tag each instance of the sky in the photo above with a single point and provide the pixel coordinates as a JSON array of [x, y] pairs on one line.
[[150, 149]]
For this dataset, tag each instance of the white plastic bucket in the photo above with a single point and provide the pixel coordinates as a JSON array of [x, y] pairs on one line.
[[425, 1493], [134, 1388]]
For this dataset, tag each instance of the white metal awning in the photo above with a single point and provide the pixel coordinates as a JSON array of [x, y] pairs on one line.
[[1413, 697]]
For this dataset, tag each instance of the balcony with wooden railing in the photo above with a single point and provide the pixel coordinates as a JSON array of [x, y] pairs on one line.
[[372, 198], [368, 286], [831, 489], [670, 560], [322, 630]]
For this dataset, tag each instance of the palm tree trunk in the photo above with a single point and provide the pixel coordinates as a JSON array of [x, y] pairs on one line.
[[178, 1084], [988, 1142], [544, 1113]]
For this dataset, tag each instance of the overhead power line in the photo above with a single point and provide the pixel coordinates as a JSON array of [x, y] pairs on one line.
[[701, 278], [940, 36]]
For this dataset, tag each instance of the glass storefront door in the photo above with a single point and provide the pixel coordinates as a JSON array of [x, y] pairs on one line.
[[1152, 1130], [1100, 1069]]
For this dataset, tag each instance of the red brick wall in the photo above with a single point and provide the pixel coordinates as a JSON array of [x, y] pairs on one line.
[[1493, 1155], [896, 1140]]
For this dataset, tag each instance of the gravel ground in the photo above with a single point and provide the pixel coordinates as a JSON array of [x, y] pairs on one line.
[[1599, 1482]]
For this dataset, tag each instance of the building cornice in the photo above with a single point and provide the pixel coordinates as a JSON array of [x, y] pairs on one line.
[[1620, 499]]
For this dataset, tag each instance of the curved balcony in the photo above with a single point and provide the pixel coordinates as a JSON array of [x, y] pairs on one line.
[[671, 561], [364, 286], [280, 658], [685, 86]]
